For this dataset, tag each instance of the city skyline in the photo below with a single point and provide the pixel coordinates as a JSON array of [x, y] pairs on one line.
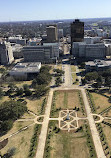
[[23, 10]]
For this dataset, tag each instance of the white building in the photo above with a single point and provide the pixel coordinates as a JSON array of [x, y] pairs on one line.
[[55, 48], [81, 49], [17, 39], [34, 41], [46, 53], [108, 49], [92, 40], [60, 33], [6, 54], [99, 32], [23, 71]]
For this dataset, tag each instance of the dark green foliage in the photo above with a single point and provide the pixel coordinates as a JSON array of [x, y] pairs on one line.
[[19, 91], [6, 125], [58, 81], [82, 65], [1, 93], [12, 88], [91, 76], [43, 106], [45, 69], [90, 143], [9, 153], [109, 99], [41, 90], [28, 92], [9, 112], [58, 72], [25, 87], [2, 70], [34, 141], [43, 78]]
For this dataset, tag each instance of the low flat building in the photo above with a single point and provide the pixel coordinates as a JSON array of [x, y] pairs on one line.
[[97, 65], [92, 40], [17, 39], [25, 71]]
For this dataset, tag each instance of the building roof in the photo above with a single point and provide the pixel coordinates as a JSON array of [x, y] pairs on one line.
[[27, 67]]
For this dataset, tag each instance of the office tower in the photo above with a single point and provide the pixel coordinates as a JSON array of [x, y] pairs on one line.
[[6, 54], [52, 35], [77, 31]]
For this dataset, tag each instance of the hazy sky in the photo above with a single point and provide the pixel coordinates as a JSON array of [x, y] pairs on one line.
[[19, 10]]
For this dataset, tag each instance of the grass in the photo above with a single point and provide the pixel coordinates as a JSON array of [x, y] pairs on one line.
[[16, 127], [21, 142], [74, 77], [66, 100], [34, 105], [65, 144], [101, 102], [4, 98], [19, 83], [59, 66], [73, 68]]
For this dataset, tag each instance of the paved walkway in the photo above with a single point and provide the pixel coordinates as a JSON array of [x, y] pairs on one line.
[[43, 135], [68, 77], [94, 132]]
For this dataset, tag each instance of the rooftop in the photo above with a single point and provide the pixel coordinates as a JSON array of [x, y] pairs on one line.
[[27, 67]]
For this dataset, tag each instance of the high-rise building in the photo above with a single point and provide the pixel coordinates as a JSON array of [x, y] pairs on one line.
[[6, 54], [77, 31], [52, 35]]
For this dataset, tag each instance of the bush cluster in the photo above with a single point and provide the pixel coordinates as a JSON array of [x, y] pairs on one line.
[[90, 142], [81, 102], [51, 131], [34, 141], [103, 140], [91, 101], [43, 106]]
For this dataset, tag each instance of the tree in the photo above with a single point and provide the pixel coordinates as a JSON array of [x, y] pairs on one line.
[[58, 81], [1, 93], [43, 78], [25, 87], [58, 72], [82, 65], [109, 99], [91, 76], [9, 112], [12, 88], [41, 90], [19, 91], [28, 92], [45, 69], [34, 83]]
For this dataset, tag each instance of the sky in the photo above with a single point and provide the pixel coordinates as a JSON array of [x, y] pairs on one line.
[[29, 10]]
